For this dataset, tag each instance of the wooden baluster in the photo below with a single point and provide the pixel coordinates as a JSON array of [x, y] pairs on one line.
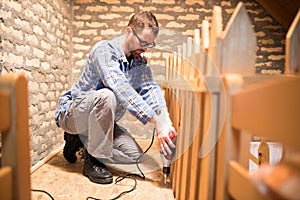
[[179, 62], [238, 58], [215, 42], [196, 118], [195, 58], [189, 58], [15, 140], [184, 61], [239, 44], [292, 50]]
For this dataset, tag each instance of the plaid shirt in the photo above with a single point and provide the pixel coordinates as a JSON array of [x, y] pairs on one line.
[[132, 83]]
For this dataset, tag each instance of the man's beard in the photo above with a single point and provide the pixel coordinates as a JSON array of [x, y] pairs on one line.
[[138, 55]]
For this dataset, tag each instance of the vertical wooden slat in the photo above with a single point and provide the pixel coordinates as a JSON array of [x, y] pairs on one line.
[[179, 147], [203, 50], [5, 111], [292, 51], [188, 135], [195, 56], [215, 43], [15, 143], [197, 125], [167, 76], [175, 114], [239, 40], [179, 62], [6, 183], [184, 61], [189, 53]]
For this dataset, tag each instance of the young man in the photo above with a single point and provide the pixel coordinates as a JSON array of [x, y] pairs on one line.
[[115, 77]]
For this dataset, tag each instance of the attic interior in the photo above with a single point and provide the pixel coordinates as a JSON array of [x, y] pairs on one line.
[[236, 128], [281, 10]]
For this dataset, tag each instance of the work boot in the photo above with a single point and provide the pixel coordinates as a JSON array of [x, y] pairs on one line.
[[95, 170], [72, 145]]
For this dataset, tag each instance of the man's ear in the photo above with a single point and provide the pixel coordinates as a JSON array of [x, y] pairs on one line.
[[128, 29]]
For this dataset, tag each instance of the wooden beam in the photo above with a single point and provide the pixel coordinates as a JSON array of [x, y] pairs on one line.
[[281, 10], [253, 111]]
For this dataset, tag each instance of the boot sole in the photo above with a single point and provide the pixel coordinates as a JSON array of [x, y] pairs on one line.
[[97, 180]]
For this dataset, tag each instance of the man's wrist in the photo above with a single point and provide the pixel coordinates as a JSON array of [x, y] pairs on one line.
[[153, 120]]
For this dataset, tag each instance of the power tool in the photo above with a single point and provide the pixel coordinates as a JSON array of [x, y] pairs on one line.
[[167, 159]]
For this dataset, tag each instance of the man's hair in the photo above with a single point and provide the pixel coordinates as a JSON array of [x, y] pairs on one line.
[[144, 19]]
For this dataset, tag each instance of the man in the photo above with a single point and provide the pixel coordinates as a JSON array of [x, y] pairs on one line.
[[115, 77]]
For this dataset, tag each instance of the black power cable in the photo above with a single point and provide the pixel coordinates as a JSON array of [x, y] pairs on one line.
[[120, 178], [43, 191], [131, 175]]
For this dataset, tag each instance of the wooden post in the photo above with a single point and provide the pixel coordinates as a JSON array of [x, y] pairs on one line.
[[239, 40], [292, 51], [15, 140]]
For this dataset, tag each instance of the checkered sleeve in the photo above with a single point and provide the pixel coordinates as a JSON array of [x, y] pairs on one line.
[[151, 91], [106, 62]]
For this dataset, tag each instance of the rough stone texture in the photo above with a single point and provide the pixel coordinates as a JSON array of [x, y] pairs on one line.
[[49, 41], [180, 16], [36, 40]]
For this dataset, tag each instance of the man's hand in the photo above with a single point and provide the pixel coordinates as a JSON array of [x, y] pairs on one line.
[[165, 140], [164, 130]]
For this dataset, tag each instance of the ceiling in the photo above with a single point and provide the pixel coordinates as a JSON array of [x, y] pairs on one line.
[[283, 11]]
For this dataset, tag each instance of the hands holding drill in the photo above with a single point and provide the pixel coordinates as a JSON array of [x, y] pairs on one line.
[[165, 130]]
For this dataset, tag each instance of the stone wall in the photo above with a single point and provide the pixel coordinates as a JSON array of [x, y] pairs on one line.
[[95, 20], [49, 40], [36, 40]]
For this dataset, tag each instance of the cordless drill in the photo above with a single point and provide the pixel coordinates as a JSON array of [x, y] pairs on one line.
[[167, 159]]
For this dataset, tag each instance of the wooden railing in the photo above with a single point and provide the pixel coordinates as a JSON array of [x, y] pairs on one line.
[[202, 100], [15, 160]]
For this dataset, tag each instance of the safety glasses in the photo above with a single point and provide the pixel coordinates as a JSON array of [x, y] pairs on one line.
[[142, 42]]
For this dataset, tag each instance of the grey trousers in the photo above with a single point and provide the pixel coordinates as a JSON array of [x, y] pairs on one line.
[[93, 114]]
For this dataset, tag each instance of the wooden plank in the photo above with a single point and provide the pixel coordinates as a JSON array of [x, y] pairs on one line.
[[253, 111], [292, 51], [6, 183], [283, 11], [15, 144], [170, 71], [189, 47], [195, 56], [179, 148], [207, 150], [188, 109], [176, 122], [203, 50], [174, 66], [239, 40], [195, 160], [227, 146], [179, 67], [5, 111], [214, 50], [184, 61], [239, 184], [167, 65], [244, 149]]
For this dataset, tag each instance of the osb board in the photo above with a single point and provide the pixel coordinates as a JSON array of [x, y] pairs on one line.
[[65, 181]]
